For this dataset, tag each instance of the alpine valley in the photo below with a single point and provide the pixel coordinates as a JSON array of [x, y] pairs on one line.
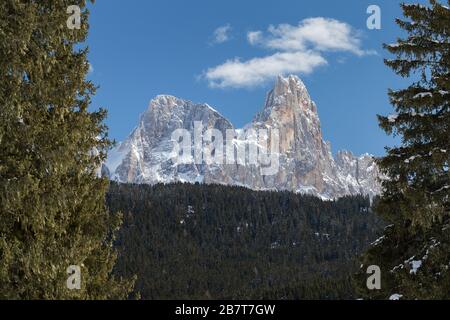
[[306, 163]]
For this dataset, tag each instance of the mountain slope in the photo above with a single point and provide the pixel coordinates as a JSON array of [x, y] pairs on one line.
[[304, 162], [187, 241]]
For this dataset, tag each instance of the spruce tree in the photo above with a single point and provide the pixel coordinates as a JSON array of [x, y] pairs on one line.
[[52, 202], [414, 252]]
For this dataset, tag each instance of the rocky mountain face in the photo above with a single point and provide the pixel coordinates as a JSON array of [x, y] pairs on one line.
[[286, 134]]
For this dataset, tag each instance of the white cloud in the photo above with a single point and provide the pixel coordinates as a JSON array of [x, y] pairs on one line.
[[91, 68], [221, 34], [321, 34], [298, 49], [238, 74], [254, 37]]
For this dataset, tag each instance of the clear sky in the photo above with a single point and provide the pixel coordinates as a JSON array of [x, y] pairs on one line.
[[139, 49]]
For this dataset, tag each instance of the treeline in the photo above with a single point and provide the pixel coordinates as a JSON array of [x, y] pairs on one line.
[[187, 241]]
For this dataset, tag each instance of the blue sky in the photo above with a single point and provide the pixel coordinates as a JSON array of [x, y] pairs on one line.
[[139, 49]]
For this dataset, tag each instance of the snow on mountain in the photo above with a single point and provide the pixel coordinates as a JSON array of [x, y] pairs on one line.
[[305, 163], [146, 155]]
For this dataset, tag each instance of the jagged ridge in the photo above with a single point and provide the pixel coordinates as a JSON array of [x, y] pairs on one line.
[[306, 163]]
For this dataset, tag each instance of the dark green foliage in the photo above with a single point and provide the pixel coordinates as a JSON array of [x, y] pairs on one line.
[[52, 204], [415, 200], [218, 242]]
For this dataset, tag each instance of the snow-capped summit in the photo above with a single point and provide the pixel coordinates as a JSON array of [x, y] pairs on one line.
[[146, 155], [304, 160], [288, 92]]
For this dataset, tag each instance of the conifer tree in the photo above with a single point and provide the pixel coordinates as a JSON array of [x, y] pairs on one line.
[[52, 202], [414, 252]]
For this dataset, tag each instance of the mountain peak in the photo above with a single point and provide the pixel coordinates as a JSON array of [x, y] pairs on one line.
[[291, 78], [288, 85], [288, 93], [290, 89], [167, 101], [304, 160]]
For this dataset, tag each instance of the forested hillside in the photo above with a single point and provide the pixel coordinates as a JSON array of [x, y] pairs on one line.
[[210, 242]]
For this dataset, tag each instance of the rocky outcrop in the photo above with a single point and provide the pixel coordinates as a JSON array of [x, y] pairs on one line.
[[305, 163]]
